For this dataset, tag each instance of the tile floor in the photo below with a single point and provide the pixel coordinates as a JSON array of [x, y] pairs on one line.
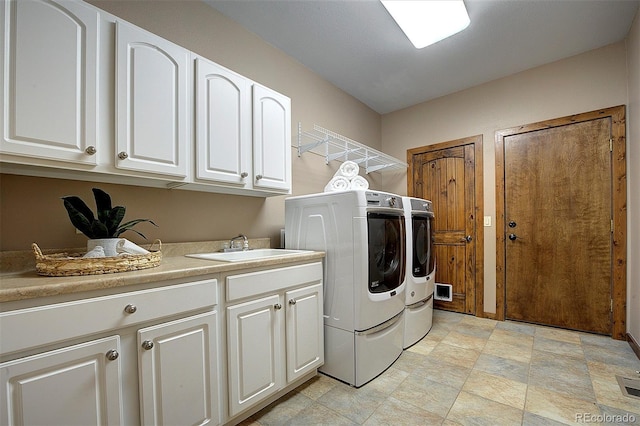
[[473, 371]]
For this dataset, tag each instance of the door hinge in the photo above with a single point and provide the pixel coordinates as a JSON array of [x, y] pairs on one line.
[[612, 226], [610, 145], [611, 305]]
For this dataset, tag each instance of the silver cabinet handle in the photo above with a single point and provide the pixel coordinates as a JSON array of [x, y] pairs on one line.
[[90, 150], [123, 155], [244, 175], [112, 355], [147, 345], [130, 309], [292, 301], [258, 177], [277, 306]]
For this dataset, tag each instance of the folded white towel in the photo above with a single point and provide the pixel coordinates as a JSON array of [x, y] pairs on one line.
[[358, 182], [125, 246], [97, 251], [348, 169], [337, 183]]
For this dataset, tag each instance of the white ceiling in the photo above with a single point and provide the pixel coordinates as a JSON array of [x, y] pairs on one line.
[[356, 45]]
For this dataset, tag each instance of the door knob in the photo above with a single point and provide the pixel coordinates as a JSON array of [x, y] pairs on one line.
[[90, 150], [258, 177], [292, 301], [277, 306], [466, 239], [513, 237], [123, 155], [244, 175], [147, 345], [130, 309], [512, 224]]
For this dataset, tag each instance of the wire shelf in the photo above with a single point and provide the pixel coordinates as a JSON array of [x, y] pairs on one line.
[[333, 146]]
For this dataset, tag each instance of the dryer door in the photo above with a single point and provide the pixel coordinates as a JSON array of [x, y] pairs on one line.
[[423, 261], [386, 251]]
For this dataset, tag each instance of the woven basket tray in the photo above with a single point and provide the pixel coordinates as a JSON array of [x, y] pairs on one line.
[[66, 265]]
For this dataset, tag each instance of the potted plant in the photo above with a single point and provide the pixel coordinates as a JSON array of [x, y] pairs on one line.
[[104, 229]]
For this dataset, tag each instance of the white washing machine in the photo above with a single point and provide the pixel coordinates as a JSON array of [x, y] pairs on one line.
[[363, 235], [421, 269]]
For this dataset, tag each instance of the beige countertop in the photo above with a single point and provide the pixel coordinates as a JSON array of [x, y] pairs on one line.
[[20, 283]]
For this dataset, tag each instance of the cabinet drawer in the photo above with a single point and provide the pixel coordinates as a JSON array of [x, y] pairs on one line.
[[26, 328], [272, 280]]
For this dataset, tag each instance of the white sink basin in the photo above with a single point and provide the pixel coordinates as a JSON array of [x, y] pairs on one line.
[[242, 256]]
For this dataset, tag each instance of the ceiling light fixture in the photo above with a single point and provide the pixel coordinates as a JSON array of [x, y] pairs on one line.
[[427, 22]]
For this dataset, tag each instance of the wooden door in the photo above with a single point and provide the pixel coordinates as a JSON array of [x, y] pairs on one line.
[[557, 224], [558, 215], [449, 176]]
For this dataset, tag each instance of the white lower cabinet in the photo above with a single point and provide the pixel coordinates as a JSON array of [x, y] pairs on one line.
[[254, 338], [155, 355], [275, 332], [147, 357], [178, 365], [75, 385], [305, 340]]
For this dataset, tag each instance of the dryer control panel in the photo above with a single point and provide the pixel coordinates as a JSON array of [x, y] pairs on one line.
[[381, 199]]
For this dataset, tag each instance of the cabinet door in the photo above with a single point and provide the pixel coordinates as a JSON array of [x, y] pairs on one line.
[[254, 342], [179, 372], [223, 125], [305, 331], [271, 140], [77, 385], [152, 103], [49, 80]]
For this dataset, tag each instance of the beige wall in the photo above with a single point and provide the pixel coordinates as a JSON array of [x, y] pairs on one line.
[[31, 209], [586, 82], [633, 173]]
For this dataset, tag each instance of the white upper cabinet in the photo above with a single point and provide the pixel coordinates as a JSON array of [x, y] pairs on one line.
[[49, 80], [271, 139], [152, 103], [88, 96], [223, 125]]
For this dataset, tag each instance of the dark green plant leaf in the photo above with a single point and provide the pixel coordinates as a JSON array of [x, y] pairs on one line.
[[79, 214], [108, 223], [103, 204], [129, 225], [99, 230], [113, 220], [79, 205]]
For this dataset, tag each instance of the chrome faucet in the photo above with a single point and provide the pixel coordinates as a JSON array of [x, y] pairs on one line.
[[245, 243]]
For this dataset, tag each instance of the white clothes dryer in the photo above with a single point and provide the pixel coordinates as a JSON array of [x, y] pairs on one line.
[[363, 235], [421, 269]]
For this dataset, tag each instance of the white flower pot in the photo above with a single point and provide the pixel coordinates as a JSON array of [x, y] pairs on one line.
[[108, 244]]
